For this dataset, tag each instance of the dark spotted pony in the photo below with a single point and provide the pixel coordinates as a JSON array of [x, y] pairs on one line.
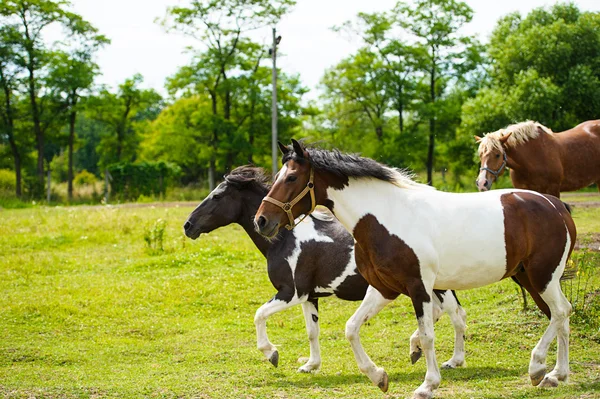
[[412, 239], [314, 260]]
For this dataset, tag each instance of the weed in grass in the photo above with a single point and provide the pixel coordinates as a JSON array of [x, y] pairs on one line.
[[154, 236]]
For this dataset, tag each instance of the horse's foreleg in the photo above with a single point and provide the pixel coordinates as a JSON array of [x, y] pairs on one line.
[[311, 318], [423, 304], [415, 345], [458, 316], [370, 306], [260, 321]]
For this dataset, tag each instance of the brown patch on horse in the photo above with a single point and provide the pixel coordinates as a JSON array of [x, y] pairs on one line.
[[388, 263], [530, 229]]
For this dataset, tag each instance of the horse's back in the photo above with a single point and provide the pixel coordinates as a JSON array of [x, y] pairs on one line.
[[580, 153]]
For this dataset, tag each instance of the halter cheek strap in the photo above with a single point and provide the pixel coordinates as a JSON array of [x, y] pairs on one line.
[[287, 206], [497, 172]]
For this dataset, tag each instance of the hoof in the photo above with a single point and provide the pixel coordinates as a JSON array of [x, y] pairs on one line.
[[383, 384], [537, 377], [274, 359], [448, 365], [549, 382], [309, 368], [415, 356], [452, 365], [422, 395]]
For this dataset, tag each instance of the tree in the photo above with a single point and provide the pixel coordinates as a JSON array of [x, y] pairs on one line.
[[435, 25], [73, 74], [555, 82], [8, 85], [224, 23], [30, 19], [121, 112], [360, 80]]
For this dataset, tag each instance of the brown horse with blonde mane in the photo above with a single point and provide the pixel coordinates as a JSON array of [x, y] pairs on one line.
[[541, 160]]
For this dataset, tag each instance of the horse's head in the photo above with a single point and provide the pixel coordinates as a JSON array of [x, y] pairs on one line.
[[244, 186], [292, 194], [492, 153]]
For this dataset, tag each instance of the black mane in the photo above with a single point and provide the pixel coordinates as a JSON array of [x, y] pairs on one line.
[[344, 165], [252, 177]]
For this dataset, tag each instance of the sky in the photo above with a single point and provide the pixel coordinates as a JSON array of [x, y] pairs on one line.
[[308, 46]]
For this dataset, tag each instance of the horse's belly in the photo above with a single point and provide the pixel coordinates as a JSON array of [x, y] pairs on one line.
[[466, 276]]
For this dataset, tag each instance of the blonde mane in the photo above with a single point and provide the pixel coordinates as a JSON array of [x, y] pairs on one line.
[[521, 133]]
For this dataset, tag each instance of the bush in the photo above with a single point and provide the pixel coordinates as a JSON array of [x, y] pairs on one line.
[[84, 178], [7, 181], [154, 236], [131, 180]]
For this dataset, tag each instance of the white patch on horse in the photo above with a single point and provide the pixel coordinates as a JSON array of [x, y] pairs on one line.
[[281, 173], [304, 232], [461, 234]]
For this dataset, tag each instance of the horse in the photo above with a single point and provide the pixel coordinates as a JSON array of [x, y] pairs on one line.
[[412, 239], [314, 260], [539, 159]]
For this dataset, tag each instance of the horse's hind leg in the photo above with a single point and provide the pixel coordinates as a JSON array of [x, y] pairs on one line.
[[370, 306], [560, 309], [458, 316], [260, 321], [311, 318], [445, 301]]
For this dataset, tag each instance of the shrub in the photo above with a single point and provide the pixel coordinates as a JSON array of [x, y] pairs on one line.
[[7, 181], [84, 178], [132, 180]]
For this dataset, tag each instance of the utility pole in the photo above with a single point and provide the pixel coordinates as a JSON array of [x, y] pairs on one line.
[[273, 52]]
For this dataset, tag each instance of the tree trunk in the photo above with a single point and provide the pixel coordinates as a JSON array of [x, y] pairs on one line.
[[431, 128], [37, 129], [211, 175], [72, 118], [400, 109], [10, 126], [379, 132]]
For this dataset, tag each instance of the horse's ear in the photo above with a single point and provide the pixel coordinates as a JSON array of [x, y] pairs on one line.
[[298, 149], [478, 139], [283, 148], [505, 137]]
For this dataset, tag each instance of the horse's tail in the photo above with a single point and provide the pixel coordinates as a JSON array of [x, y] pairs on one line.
[[569, 209]]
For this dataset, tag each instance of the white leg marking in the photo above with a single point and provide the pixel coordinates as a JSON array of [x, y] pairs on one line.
[[260, 321], [458, 317], [427, 337], [312, 328], [560, 309], [370, 306]]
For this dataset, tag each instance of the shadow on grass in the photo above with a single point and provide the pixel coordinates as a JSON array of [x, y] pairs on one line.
[[411, 378]]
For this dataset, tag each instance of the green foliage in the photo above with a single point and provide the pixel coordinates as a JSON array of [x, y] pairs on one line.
[[154, 236], [131, 180], [84, 178], [544, 68], [583, 291], [7, 182]]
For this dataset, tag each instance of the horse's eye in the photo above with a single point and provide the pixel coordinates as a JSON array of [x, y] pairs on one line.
[[497, 155], [217, 196], [291, 178]]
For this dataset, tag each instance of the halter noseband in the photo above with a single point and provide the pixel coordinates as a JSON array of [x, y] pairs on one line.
[[497, 172], [287, 207]]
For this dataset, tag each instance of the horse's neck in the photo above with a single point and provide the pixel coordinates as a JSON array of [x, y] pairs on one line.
[[249, 208], [530, 155]]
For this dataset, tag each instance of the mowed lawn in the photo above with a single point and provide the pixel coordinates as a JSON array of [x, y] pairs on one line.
[[87, 311]]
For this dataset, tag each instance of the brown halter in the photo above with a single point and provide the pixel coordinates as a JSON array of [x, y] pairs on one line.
[[287, 207]]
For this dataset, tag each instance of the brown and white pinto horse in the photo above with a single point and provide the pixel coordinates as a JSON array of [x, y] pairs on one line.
[[541, 160], [411, 239]]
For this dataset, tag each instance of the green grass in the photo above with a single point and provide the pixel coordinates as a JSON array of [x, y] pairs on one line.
[[87, 311]]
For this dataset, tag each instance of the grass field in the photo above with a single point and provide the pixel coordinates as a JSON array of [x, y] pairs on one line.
[[86, 310]]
